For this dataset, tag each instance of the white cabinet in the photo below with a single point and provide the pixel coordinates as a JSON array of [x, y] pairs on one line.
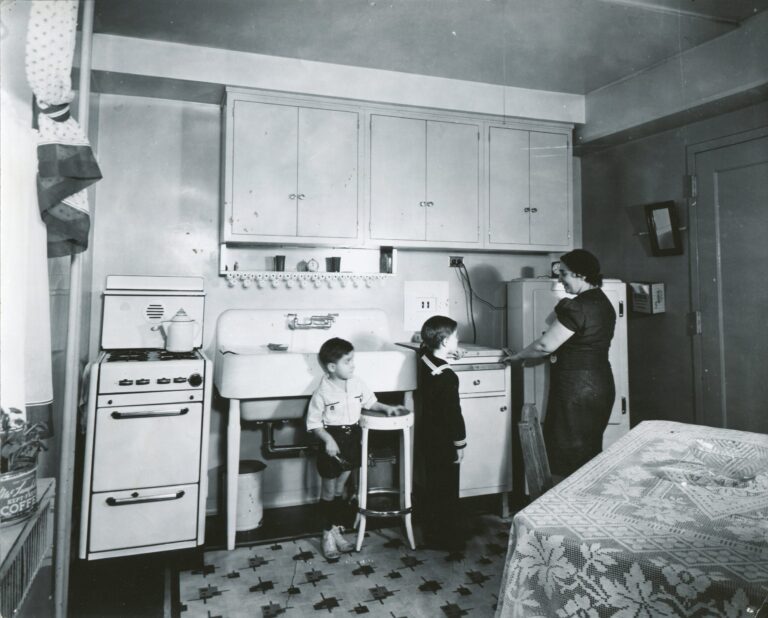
[[529, 189], [290, 172], [424, 181], [531, 304], [484, 389]]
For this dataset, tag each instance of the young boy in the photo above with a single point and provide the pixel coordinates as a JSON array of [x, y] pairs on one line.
[[443, 433], [333, 414]]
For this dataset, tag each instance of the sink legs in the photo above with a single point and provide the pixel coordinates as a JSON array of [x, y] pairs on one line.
[[233, 469]]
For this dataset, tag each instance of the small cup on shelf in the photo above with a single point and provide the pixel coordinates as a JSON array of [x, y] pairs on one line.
[[279, 263], [333, 264]]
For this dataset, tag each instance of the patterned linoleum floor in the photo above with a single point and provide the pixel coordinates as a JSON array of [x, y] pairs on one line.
[[386, 578]]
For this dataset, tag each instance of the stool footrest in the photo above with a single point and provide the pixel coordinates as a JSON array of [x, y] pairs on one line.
[[397, 513]]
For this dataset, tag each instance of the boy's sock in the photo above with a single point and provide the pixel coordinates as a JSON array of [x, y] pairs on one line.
[[327, 513], [339, 511]]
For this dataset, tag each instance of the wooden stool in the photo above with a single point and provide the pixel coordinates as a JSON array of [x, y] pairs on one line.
[[378, 422]]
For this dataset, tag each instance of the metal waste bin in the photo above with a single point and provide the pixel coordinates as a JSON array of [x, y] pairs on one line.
[[250, 509]]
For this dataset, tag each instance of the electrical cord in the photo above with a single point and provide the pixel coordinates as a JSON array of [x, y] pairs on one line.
[[488, 304], [468, 297]]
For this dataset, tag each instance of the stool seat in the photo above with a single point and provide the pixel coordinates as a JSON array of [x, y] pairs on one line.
[[379, 421]]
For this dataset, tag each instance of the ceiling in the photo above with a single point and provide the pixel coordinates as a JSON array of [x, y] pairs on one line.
[[573, 46]]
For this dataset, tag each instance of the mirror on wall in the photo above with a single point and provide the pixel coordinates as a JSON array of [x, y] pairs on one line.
[[663, 229]]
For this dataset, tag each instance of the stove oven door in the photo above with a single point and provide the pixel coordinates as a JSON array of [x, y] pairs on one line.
[[147, 446]]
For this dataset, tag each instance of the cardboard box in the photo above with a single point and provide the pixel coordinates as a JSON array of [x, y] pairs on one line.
[[648, 297]]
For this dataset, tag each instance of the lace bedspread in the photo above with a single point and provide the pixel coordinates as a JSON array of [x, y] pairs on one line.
[[671, 520]]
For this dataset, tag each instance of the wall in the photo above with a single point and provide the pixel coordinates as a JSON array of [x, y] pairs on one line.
[[157, 212], [616, 183]]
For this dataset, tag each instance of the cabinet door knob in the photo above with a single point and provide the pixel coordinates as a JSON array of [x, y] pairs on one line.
[[301, 196], [503, 409], [476, 382], [430, 204], [526, 209], [422, 204], [534, 210], [291, 196]]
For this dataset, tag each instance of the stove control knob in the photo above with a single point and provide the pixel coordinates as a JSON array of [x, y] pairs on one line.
[[125, 382], [180, 380], [163, 380], [142, 381], [195, 379]]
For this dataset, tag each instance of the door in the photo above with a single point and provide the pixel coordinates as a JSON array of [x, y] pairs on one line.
[[453, 182], [327, 173], [264, 154], [508, 188], [398, 169], [729, 254], [549, 188], [487, 464]]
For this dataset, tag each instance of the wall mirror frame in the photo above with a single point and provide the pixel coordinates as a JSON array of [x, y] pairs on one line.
[[663, 229]]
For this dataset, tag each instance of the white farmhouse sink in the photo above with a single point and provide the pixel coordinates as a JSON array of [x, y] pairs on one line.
[[276, 384]]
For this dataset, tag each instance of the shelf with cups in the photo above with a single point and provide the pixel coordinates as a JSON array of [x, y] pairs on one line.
[[236, 266]]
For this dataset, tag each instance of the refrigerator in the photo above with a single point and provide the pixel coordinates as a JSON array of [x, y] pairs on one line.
[[530, 311]]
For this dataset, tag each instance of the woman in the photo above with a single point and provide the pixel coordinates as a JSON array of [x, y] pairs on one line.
[[581, 388]]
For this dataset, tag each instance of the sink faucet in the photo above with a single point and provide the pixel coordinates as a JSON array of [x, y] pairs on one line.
[[316, 321]]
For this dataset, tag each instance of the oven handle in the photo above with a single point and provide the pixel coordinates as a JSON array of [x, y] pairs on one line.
[[149, 414], [136, 499]]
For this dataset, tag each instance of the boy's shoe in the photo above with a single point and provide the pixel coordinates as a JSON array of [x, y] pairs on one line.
[[342, 544], [330, 551]]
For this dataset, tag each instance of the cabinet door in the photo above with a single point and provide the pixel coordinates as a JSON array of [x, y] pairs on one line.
[[327, 173], [549, 188], [487, 465], [452, 180], [264, 156], [398, 171], [508, 187]]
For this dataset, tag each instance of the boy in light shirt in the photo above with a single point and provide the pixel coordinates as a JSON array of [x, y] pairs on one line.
[[333, 415]]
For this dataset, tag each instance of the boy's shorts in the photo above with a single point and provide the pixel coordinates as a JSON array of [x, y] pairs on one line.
[[348, 439]]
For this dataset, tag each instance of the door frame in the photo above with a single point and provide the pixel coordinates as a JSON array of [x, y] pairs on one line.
[[692, 150]]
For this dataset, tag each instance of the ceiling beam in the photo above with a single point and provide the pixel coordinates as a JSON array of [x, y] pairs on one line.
[[650, 5]]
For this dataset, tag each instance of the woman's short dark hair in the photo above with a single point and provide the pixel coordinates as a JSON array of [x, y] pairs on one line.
[[333, 350], [582, 262], [435, 330]]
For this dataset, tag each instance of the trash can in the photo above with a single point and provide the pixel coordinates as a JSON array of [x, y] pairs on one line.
[[250, 510]]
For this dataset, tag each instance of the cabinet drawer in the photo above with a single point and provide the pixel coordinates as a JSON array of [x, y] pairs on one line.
[[147, 446], [123, 519], [483, 381]]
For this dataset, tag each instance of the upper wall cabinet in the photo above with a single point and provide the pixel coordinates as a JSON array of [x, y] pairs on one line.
[[529, 189], [290, 172], [424, 182]]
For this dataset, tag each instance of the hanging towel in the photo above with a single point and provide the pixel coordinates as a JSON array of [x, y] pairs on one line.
[[66, 165]]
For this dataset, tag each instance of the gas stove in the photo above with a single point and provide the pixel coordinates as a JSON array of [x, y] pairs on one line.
[[145, 467]]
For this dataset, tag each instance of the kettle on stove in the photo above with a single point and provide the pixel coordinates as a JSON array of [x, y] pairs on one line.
[[180, 332]]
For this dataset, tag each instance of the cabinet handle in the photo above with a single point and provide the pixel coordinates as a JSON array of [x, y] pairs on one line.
[[422, 204], [526, 209], [291, 196], [301, 196], [503, 409], [430, 204], [149, 414], [534, 210], [476, 382], [137, 499]]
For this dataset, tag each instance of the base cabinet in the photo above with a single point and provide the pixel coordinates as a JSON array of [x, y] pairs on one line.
[[531, 304]]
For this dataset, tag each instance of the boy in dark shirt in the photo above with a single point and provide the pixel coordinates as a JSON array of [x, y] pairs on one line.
[[443, 435]]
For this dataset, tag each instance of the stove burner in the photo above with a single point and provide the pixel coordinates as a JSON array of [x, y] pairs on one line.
[[149, 355]]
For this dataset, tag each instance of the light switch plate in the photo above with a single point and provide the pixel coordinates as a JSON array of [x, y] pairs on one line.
[[421, 300]]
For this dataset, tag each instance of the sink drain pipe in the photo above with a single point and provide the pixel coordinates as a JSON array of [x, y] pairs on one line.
[[272, 449]]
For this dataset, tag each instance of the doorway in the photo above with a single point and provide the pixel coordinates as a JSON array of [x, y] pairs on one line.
[[729, 254]]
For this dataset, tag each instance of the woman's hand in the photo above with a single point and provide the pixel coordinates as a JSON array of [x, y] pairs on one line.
[[510, 356], [459, 455], [331, 447], [397, 411]]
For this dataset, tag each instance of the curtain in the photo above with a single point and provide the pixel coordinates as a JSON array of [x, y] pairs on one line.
[[66, 165]]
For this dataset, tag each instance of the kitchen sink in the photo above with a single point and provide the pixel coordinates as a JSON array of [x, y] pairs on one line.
[[267, 358]]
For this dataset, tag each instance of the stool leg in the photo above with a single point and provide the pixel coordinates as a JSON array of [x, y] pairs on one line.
[[406, 459], [233, 469], [362, 492]]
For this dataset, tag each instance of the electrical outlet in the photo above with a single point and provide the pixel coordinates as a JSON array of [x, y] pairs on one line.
[[456, 261]]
